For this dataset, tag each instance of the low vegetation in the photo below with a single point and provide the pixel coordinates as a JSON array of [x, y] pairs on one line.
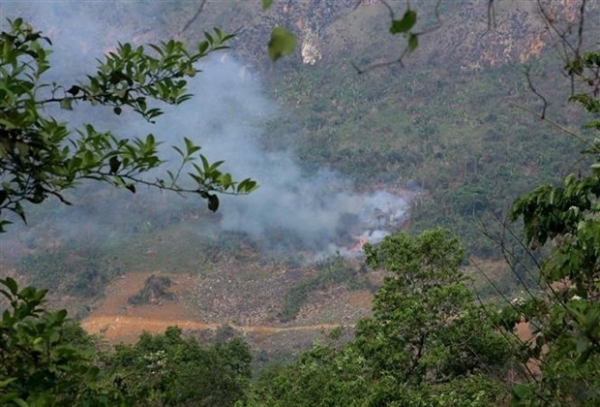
[[155, 290], [329, 273]]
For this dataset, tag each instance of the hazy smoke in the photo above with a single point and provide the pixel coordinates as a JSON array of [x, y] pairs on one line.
[[291, 210]]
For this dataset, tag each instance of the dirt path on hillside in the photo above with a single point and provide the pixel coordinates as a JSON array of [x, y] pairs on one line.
[[118, 321], [126, 328]]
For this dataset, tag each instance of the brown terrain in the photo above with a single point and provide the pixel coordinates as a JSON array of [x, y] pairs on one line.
[[119, 321]]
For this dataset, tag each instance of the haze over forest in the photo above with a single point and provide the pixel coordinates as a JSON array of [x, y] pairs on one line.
[[348, 145], [318, 207], [339, 157]]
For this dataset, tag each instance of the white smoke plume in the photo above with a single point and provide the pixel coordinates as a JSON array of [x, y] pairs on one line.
[[321, 213]]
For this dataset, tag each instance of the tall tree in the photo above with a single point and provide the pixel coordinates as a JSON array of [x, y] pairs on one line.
[[426, 344], [565, 219], [422, 334]]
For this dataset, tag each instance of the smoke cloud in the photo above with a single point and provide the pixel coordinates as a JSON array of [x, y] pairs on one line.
[[292, 210]]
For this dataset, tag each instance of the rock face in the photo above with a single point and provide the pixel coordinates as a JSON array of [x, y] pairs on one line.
[[310, 51], [471, 34]]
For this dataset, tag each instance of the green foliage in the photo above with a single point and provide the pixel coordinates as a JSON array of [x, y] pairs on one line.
[[453, 140], [79, 271], [478, 390], [40, 157], [323, 376], [170, 370], [405, 24], [428, 312], [282, 43], [267, 4], [565, 218], [155, 289], [427, 344], [46, 360], [330, 272]]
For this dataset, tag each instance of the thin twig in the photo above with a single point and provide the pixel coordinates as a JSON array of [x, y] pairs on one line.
[[390, 9], [552, 122], [550, 23], [535, 91], [491, 14], [376, 65], [505, 332], [194, 17], [580, 28], [438, 22], [406, 49]]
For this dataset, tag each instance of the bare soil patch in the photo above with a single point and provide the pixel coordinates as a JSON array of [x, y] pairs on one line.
[[119, 321]]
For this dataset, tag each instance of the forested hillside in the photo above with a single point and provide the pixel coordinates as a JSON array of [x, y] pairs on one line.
[[413, 190]]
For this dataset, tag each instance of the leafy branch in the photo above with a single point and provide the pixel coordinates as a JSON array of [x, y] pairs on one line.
[[40, 157], [404, 26]]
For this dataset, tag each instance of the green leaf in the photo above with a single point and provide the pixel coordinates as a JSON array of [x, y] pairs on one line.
[[20, 402], [61, 315], [178, 151], [74, 90], [190, 147], [226, 180], [12, 285], [66, 104], [6, 382], [23, 149], [413, 42], [246, 186], [203, 47], [267, 4], [521, 392], [403, 26], [19, 211], [117, 110], [114, 164], [282, 43], [141, 102], [213, 202], [205, 165]]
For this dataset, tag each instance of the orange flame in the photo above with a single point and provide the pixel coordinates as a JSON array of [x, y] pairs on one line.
[[358, 246]]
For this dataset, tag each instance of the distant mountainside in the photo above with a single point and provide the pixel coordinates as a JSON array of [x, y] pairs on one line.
[[471, 35]]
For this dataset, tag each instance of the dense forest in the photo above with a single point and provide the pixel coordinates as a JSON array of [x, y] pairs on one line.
[[404, 214]]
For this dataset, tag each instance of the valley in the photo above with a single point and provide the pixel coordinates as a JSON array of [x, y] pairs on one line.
[[393, 251], [442, 140]]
